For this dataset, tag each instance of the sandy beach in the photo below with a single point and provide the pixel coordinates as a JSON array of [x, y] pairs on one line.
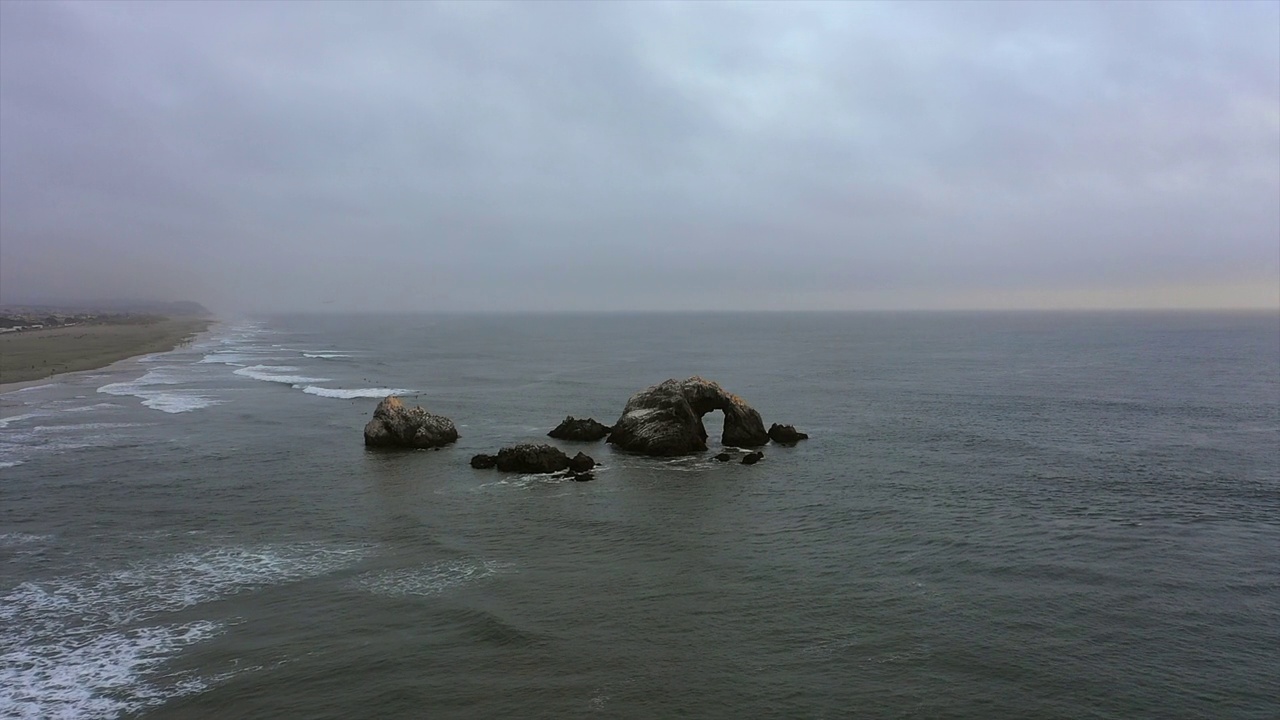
[[31, 357]]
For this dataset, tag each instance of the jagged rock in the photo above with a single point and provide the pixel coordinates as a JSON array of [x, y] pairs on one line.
[[529, 458], [483, 462], [581, 463], [666, 419], [394, 425], [785, 434], [587, 430], [752, 458], [724, 457]]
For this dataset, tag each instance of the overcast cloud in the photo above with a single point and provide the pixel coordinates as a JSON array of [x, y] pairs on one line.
[[486, 156]]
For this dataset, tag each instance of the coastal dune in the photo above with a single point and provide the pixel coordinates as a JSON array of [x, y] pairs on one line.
[[37, 354]]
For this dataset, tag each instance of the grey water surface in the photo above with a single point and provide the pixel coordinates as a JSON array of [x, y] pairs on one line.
[[1022, 515]]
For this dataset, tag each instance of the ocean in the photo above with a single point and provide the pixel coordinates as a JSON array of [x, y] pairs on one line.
[[1002, 515]]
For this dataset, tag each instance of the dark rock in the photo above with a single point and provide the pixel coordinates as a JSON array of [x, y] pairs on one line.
[[581, 463], [394, 425], [483, 462], [785, 434], [529, 458], [582, 477], [724, 457], [666, 419], [752, 458], [587, 430]]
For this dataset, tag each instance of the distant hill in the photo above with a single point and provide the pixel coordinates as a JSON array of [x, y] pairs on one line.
[[180, 308]]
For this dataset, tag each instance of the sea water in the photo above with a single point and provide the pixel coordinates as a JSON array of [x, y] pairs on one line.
[[997, 515]]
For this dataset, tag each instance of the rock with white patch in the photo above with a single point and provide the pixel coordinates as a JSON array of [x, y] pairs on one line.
[[666, 419], [396, 426]]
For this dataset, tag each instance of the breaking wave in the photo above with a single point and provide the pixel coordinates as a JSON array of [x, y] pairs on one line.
[[272, 373], [348, 394]]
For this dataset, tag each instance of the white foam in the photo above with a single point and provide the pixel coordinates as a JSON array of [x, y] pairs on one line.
[[21, 538], [33, 387], [529, 481], [236, 359], [271, 373], [170, 401], [87, 408], [83, 427], [97, 676], [90, 645], [179, 401], [326, 355], [4, 422], [20, 445], [154, 376], [430, 579], [347, 394]]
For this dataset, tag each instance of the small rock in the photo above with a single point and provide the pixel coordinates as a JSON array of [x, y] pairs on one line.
[[752, 458], [483, 462], [583, 477], [529, 458], [581, 463], [724, 457], [587, 430], [785, 434]]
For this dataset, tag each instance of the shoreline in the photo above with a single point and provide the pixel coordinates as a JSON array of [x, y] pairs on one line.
[[43, 356]]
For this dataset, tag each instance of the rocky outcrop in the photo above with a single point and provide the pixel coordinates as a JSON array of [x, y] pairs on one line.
[[529, 458], [785, 434], [483, 462], [587, 430], [394, 425], [666, 419], [581, 463]]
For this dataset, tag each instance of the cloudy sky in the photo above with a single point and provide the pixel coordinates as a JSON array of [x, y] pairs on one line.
[[542, 156]]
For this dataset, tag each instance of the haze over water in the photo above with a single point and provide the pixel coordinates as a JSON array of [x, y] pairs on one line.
[[998, 515]]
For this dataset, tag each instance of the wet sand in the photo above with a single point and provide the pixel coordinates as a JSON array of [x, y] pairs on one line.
[[32, 356]]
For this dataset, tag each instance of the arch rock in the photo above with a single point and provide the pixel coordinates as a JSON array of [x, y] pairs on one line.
[[666, 419]]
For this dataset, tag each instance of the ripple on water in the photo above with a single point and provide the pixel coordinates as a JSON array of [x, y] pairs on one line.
[[431, 578]]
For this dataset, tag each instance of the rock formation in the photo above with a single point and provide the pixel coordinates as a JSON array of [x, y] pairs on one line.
[[666, 419], [394, 425], [581, 463], [587, 430], [752, 458], [483, 462], [785, 434], [529, 458]]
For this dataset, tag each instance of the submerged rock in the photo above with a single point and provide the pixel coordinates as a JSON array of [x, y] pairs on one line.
[[587, 430], [582, 477], [483, 462], [785, 434], [530, 458], [394, 425], [666, 419], [752, 458]]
